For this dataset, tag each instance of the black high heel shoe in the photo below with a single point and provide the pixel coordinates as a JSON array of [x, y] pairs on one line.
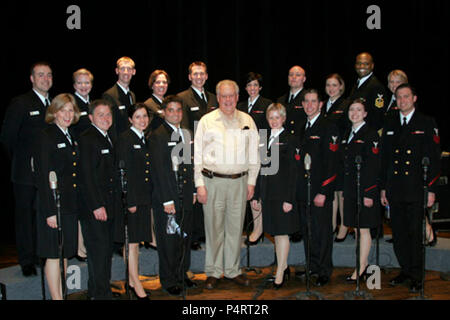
[[286, 276], [147, 297], [336, 239], [433, 242], [254, 243], [362, 277]]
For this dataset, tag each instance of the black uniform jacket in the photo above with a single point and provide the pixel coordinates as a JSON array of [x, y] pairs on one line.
[[366, 144], [375, 95], [57, 154], [295, 114], [258, 112], [136, 158], [155, 113], [321, 142], [99, 176], [164, 178], [403, 150], [120, 103], [24, 120], [281, 185], [194, 107]]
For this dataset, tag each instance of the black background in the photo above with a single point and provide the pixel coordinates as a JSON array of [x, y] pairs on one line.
[[233, 37]]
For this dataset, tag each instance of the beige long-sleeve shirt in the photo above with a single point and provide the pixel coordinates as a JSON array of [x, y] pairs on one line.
[[226, 146]]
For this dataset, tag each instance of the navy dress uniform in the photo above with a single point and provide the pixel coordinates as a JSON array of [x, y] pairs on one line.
[[295, 114], [404, 145], [133, 150], [58, 153], [23, 122], [374, 93], [320, 141], [99, 189], [162, 142], [84, 122], [156, 114], [257, 111], [275, 188], [365, 143]]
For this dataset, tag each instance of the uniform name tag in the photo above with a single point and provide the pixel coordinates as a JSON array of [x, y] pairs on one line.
[[34, 113], [390, 133], [105, 151], [195, 108], [83, 113], [418, 132], [61, 145], [159, 111], [137, 146], [171, 144], [261, 145], [314, 137], [122, 107]]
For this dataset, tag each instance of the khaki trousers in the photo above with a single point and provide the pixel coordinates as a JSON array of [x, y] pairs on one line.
[[224, 219]]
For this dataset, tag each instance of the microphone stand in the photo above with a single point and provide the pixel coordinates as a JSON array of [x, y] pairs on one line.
[[57, 198], [308, 294], [425, 164], [124, 187], [247, 243], [179, 179], [358, 293]]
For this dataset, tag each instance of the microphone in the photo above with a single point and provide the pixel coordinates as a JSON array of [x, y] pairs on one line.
[[425, 162], [307, 162], [358, 159], [123, 181], [53, 180]]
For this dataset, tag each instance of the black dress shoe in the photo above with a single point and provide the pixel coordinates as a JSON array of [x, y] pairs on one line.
[[29, 270], [340, 239], [296, 237], [254, 243], [400, 279], [81, 259], [322, 281], [286, 276], [195, 245], [415, 286], [174, 290], [147, 297], [189, 283], [302, 274]]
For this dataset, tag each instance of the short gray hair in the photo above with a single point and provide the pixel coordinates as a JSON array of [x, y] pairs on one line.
[[227, 82]]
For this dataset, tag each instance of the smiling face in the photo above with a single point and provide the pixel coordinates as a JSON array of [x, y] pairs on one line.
[[253, 88], [333, 88], [125, 71], [198, 77], [356, 114], [311, 105], [140, 119], [65, 115], [102, 117], [405, 100], [173, 113], [42, 79], [160, 86], [364, 65], [227, 98], [275, 119], [83, 85]]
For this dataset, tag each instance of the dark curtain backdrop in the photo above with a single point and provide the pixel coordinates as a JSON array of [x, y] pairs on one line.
[[233, 37]]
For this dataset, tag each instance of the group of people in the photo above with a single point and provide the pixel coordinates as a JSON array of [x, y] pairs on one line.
[[193, 161]]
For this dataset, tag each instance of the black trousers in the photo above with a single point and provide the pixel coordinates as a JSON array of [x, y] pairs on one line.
[[406, 222], [170, 247], [321, 237], [198, 222], [25, 223], [98, 239]]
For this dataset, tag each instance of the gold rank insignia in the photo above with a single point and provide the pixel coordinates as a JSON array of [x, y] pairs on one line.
[[379, 102]]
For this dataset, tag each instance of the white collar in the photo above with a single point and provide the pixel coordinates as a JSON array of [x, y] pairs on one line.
[[42, 97], [277, 133], [81, 97], [295, 93], [250, 102], [199, 92], [176, 130], [362, 80], [313, 120], [123, 89], [157, 98], [101, 131], [138, 133], [408, 117], [359, 127]]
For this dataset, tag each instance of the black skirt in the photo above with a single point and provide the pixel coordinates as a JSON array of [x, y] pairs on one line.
[[277, 222], [368, 218], [47, 238], [139, 226]]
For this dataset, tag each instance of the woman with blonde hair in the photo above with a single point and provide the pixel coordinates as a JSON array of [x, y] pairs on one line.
[[58, 152]]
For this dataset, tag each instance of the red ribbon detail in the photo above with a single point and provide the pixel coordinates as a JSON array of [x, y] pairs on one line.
[[328, 181]]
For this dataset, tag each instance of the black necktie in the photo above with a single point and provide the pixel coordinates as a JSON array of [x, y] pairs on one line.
[[352, 134], [109, 140], [130, 98], [291, 98], [69, 137], [250, 106], [47, 102], [404, 122], [204, 98], [308, 126], [143, 140]]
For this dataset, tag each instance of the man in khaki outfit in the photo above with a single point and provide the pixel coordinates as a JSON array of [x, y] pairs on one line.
[[226, 167]]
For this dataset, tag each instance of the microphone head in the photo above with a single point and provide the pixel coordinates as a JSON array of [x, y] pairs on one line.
[[307, 162], [121, 164], [53, 180], [358, 159], [425, 161]]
